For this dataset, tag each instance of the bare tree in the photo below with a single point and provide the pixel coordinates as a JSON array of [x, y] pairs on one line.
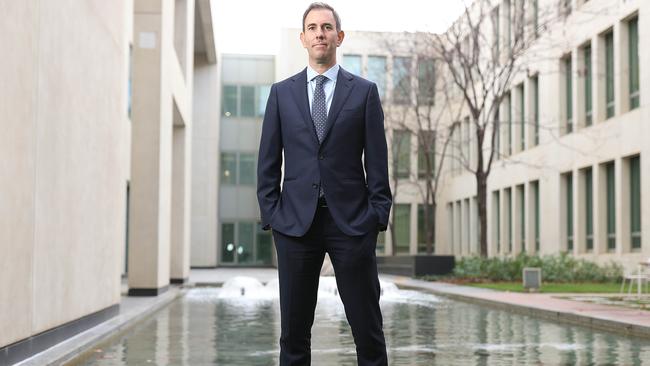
[[420, 106], [480, 59]]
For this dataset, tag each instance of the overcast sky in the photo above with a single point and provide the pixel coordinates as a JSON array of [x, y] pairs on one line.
[[252, 26]]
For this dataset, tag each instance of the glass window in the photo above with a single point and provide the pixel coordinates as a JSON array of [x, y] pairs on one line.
[[535, 6], [422, 230], [426, 155], [402, 153], [508, 122], [520, 16], [609, 73], [229, 101], [535, 188], [633, 50], [589, 209], [568, 93], [228, 168], [522, 217], [588, 100], [466, 139], [535, 87], [264, 246], [402, 227], [227, 242], [611, 207], [402, 80], [496, 202], [247, 103], [508, 17], [568, 178], [522, 116], [247, 168], [377, 73], [262, 97], [497, 139], [635, 202], [352, 63], [508, 204], [426, 81], [245, 242], [495, 33]]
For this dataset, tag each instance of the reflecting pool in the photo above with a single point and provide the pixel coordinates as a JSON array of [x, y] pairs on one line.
[[240, 325]]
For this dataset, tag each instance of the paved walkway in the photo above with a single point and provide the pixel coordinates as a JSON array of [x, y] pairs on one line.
[[606, 317]]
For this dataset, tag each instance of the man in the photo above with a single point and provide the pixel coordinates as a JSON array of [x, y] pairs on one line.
[[328, 125]]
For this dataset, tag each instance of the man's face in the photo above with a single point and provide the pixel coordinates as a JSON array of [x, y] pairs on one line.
[[320, 37]]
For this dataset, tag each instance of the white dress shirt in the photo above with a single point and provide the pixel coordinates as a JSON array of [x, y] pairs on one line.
[[328, 85]]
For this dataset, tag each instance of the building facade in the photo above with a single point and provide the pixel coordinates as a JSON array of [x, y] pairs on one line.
[[97, 117], [245, 86], [569, 165]]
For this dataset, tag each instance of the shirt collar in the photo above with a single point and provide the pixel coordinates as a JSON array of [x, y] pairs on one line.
[[331, 74]]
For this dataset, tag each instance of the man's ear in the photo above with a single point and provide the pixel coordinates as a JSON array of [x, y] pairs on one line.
[[302, 39], [340, 37]]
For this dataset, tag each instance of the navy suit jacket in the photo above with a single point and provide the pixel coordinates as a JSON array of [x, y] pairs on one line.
[[351, 163]]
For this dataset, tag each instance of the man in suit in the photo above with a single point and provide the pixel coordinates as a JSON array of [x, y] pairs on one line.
[[328, 126]]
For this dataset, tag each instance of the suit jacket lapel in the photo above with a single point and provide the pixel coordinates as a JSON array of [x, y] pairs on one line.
[[299, 91], [343, 87]]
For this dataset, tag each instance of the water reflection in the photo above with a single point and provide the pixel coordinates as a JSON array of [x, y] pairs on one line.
[[421, 329]]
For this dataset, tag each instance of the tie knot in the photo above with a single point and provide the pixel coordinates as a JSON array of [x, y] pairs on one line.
[[320, 79]]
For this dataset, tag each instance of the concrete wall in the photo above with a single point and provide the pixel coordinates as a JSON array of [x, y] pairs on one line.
[[205, 163], [64, 118]]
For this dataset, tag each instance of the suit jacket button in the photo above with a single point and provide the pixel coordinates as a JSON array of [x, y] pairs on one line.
[[314, 186], [321, 157]]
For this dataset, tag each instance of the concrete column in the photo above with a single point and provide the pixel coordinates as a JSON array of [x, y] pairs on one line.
[[150, 216], [184, 14], [578, 214], [580, 97], [529, 222], [622, 193], [467, 228], [503, 243], [516, 219], [205, 169], [621, 68], [181, 184]]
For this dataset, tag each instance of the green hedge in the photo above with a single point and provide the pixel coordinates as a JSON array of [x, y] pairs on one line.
[[555, 268]]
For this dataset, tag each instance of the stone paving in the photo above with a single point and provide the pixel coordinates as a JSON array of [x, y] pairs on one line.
[[550, 306]]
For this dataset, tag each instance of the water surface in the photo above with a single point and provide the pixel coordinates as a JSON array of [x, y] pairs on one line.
[[212, 326]]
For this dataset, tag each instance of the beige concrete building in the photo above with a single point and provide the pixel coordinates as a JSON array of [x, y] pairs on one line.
[[570, 172], [573, 186], [97, 112]]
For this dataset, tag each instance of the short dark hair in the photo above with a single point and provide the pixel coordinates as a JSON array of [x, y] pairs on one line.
[[320, 5]]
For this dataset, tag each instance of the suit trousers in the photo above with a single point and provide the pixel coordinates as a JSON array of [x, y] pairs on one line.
[[299, 263]]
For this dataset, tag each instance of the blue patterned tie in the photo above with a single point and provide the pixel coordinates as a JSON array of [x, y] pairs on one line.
[[319, 113], [319, 107]]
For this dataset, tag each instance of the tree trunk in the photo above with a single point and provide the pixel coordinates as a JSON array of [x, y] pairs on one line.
[[481, 199]]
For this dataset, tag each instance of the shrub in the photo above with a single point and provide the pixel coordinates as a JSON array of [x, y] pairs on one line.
[[555, 268]]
